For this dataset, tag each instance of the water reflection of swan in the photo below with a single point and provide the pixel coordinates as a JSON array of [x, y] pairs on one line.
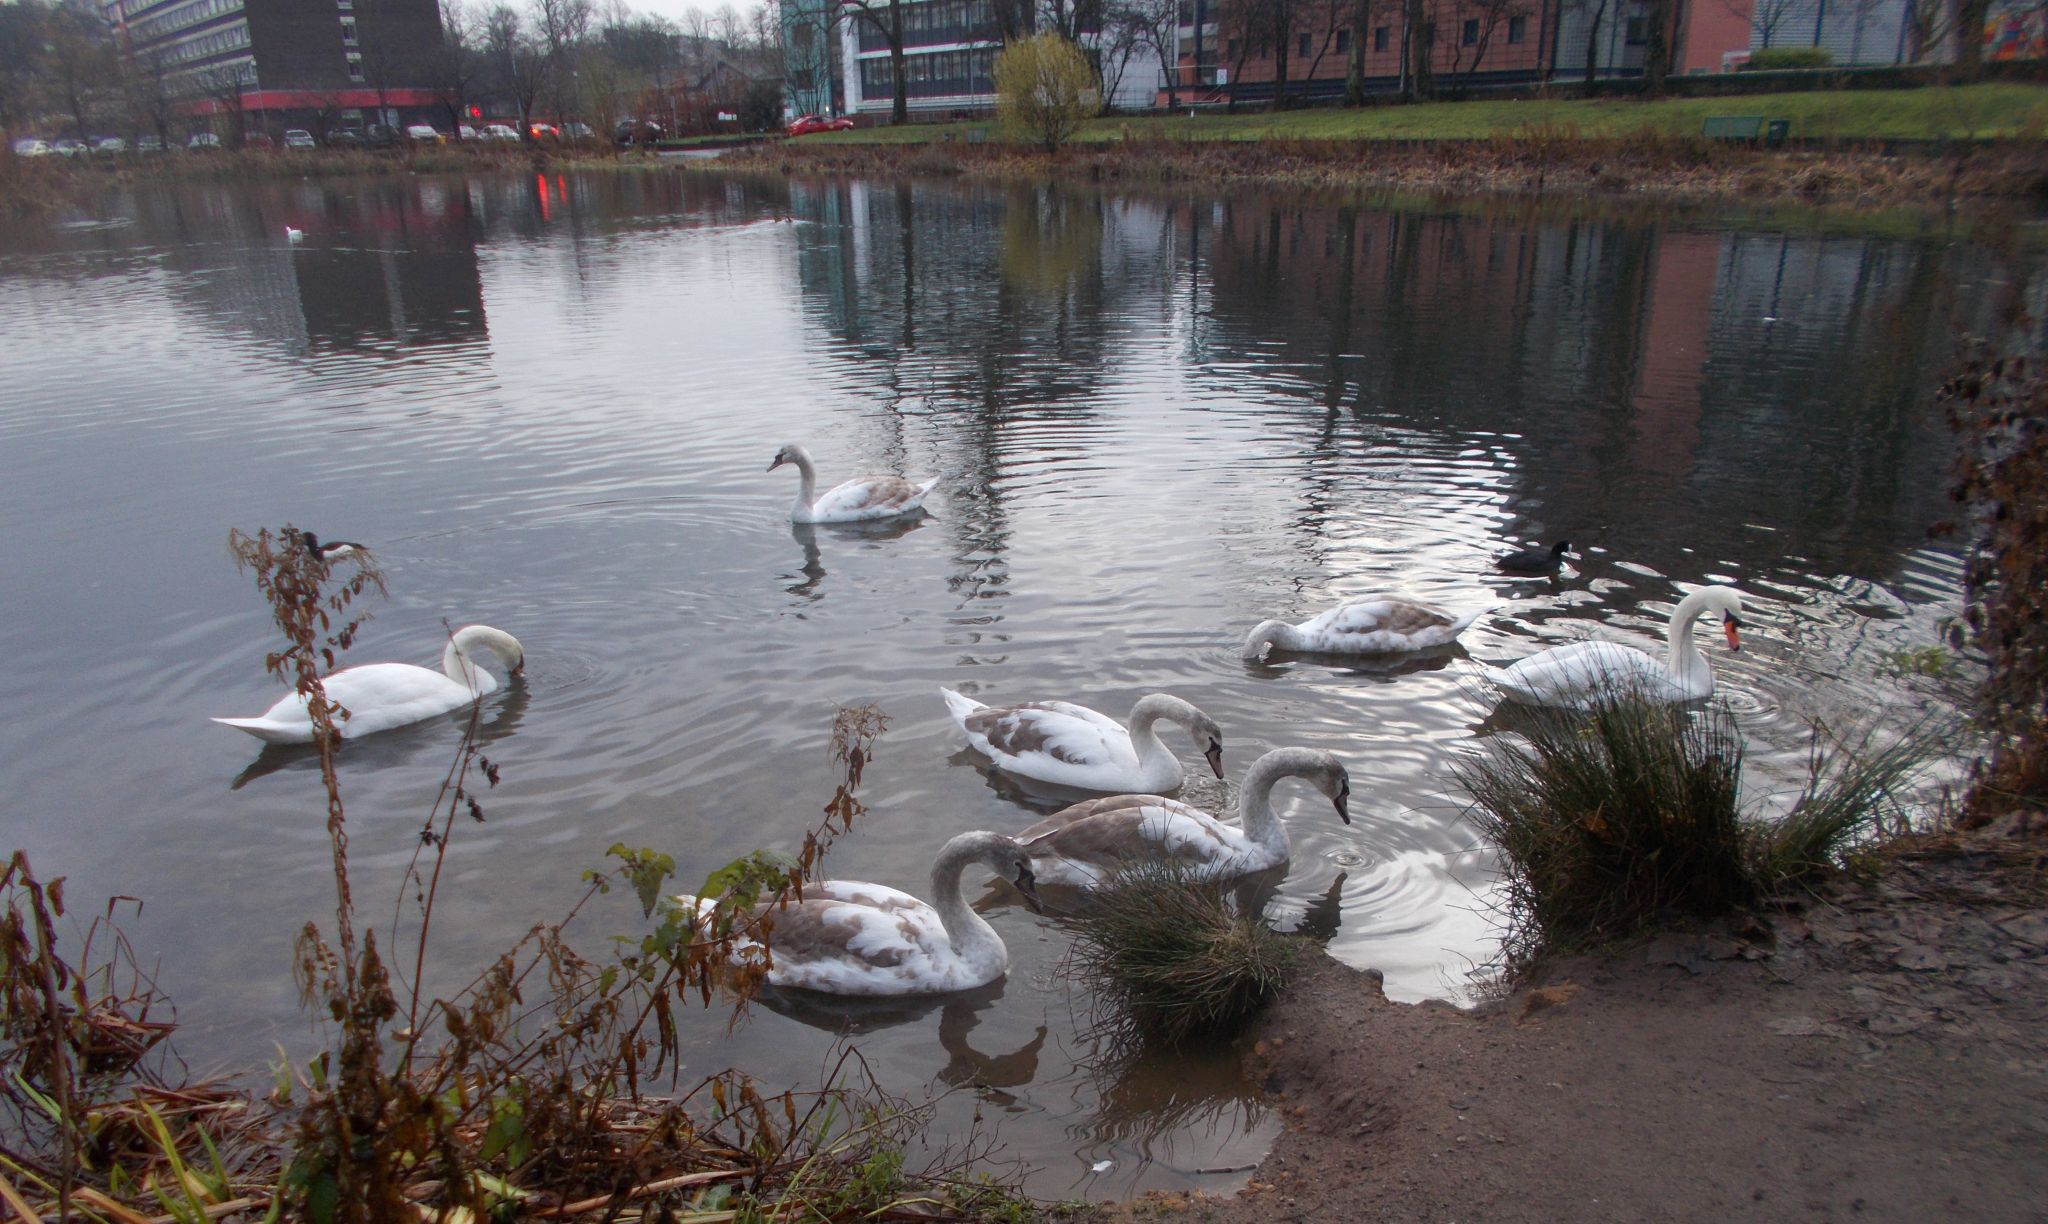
[[959, 1015], [1377, 624], [864, 497], [1073, 746], [380, 696], [1574, 676], [847, 937], [506, 715], [1085, 844]]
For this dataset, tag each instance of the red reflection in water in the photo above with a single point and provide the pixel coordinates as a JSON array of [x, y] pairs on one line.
[[541, 181]]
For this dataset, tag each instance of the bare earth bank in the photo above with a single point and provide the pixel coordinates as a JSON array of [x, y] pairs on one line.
[[1881, 1054]]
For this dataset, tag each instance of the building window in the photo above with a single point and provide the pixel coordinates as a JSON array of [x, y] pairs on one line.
[[1230, 49], [348, 31], [1303, 47], [1518, 29], [1638, 29], [355, 67], [1469, 36], [1379, 38], [1343, 41], [345, 5]]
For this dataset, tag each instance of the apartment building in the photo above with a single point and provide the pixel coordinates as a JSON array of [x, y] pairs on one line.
[[950, 51], [288, 63]]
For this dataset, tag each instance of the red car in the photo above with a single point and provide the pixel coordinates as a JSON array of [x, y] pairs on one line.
[[804, 125]]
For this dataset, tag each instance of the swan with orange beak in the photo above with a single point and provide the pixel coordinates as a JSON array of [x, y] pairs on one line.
[[1583, 673]]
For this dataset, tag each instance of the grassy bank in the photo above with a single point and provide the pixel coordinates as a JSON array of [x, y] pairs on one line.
[[1994, 111]]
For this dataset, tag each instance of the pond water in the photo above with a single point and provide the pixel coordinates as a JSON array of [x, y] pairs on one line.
[[548, 405]]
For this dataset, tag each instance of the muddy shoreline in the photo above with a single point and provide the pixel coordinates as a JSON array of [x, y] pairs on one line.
[[1678, 170], [1879, 1052]]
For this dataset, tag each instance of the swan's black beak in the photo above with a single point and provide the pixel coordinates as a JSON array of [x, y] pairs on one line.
[[1733, 628], [1215, 757], [778, 461], [1028, 885], [1343, 803]]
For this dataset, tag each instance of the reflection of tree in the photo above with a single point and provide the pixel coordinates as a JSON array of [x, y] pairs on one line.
[[1050, 240]]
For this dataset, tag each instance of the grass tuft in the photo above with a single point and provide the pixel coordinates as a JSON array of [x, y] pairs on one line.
[[1851, 786], [1174, 958]]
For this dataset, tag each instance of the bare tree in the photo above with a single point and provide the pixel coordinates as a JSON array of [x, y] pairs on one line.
[[885, 17], [1419, 39], [560, 26], [79, 67], [1150, 25], [223, 87], [459, 67], [1766, 17], [518, 64], [1354, 68], [1491, 16]]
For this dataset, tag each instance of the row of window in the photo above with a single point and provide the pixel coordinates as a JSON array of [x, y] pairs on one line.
[[1382, 38], [218, 42], [183, 16], [942, 74], [941, 21]]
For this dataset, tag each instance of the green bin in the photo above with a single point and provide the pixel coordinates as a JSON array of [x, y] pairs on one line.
[[1775, 132]]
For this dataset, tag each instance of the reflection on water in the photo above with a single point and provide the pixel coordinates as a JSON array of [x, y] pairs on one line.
[[1161, 418]]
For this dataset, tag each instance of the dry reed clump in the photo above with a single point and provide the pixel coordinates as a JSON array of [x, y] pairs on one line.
[[1628, 814], [1174, 958]]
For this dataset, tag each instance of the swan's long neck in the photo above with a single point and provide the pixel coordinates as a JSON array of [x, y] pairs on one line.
[[1269, 633], [807, 478], [461, 668], [1255, 804], [970, 934], [1143, 724], [1683, 658]]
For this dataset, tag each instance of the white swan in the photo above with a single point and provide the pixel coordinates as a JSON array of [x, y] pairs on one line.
[[1074, 746], [380, 696], [292, 234], [1082, 846], [1376, 624], [1577, 675], [868, 497], [850, 938]]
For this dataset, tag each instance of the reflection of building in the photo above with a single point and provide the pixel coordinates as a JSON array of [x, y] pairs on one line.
[[288, 63], [949, 49]]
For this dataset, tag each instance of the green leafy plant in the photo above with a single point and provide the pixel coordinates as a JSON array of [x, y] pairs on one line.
[[1045, 88], [1771, 58]]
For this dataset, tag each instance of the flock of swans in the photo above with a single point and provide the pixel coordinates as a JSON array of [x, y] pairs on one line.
[[861, 939]]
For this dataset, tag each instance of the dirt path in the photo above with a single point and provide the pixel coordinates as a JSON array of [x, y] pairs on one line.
[[1880, 1055]]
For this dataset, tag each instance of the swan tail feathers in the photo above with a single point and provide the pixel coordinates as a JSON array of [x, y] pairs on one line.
[[268, 731], [960, 706]]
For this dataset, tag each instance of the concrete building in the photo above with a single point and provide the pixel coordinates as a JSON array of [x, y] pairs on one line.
[[289, 63], [950, 51]]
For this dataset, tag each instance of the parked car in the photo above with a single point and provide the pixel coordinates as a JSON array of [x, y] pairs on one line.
[[149, 144], [32, 146], [199, 142], [109, 144], [465, 132], [641, 131], [381, 136], [344, 138], [499, 131], [257, 140], [544, 131], [577, 131], [298, 138], [68, 147], [804, 125], [424, 133]]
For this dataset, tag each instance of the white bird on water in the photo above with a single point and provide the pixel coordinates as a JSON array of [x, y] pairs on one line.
[[293, 235], [380, 696]]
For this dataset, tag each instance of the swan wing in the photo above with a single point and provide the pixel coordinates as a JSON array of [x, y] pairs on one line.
[[1380, 623], [844, 947], [1576, 674], [1086, 842], [1050, 739], [869, 497]]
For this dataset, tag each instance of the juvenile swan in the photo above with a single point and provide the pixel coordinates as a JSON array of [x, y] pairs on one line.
[[867, 497], [850, 938], [1577, 675], [1072, 745], [380, 696], [1376, 624], [1082, 846]]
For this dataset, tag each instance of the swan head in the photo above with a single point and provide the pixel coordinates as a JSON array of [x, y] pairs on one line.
[[472, 638], [1262, 635], [1728, 602], [789, 453], [1209, 738], [1314, 766], [1000, 853]]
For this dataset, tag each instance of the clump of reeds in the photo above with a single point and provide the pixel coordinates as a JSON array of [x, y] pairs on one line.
[[1629, 813], [1851, 788], [1175, 958], [1610, 818]]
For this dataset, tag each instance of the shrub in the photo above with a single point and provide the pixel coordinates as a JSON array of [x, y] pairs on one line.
[[1771, 58], [1045, 87], [1174, 958], [1999, 409], [1611, 818]]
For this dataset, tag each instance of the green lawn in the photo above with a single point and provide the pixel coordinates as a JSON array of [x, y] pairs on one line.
[[2000, 109]]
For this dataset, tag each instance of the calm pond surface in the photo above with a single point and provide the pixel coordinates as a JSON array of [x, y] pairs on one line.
[[548, 405]]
